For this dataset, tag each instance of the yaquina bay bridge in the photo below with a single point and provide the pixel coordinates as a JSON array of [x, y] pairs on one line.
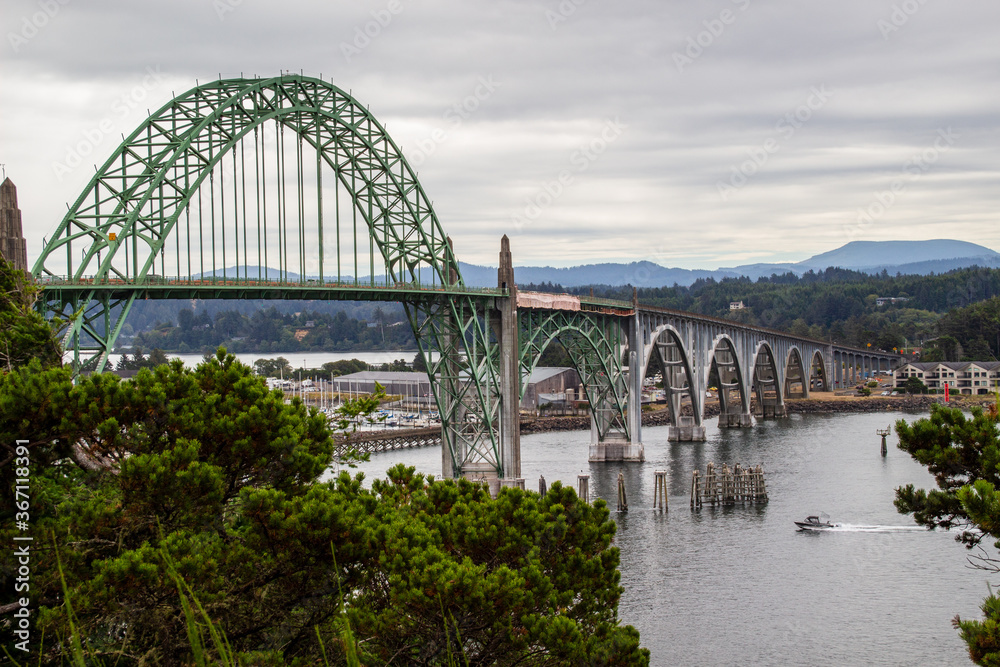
[[294, 174]]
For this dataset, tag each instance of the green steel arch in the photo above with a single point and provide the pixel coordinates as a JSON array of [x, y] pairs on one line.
[[225, 183], [596, 343], [137, 196], [140, 205]]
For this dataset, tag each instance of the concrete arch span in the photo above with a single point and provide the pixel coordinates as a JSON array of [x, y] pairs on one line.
[[819, 375], [796, 384], [734, 401], [685, 400], [767, 383]]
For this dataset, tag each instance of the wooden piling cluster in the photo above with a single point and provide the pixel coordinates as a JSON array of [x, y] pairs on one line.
[[660, 490], [728, 487], [622, 500]]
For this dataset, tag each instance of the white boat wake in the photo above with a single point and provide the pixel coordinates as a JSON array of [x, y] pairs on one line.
[[852, 528]]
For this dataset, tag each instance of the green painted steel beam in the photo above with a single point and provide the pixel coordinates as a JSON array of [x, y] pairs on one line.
[[596, 341], [180, 185]]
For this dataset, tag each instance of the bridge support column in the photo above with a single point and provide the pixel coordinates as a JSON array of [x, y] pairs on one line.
[[615, 445], [634, 450], [686, 432], [510, 373], [735, 420], [614, 404]]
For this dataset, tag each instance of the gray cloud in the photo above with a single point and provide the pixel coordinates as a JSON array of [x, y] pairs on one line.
[[656, 186]]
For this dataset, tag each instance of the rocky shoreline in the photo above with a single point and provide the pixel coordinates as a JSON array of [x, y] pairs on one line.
[[797, 405]]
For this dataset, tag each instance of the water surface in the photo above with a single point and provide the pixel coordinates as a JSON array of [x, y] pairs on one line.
[[739, 585]]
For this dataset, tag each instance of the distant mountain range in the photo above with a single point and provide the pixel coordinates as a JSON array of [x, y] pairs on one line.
[[905, 257]]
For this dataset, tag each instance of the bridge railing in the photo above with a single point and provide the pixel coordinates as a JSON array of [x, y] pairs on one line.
[[729, 323], [597, 303], [219, 281]]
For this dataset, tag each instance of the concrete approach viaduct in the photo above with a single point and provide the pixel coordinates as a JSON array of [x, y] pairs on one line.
[[753, 369]]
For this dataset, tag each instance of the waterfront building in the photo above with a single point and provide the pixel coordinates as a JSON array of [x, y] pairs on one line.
[[971, 378], [555, 385], [544, 385]]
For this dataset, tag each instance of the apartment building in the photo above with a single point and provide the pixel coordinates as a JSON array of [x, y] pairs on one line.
[[962, 377]]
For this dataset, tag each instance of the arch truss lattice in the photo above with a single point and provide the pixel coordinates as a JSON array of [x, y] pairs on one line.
[[237, 184], [596, 344], [279, 188]]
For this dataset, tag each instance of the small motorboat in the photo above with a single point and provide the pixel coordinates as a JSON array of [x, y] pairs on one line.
[[814, 523]]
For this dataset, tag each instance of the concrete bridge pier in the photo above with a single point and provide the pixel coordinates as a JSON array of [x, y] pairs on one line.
[[686, 431], [616, 443], [614, 447], [506, 330], [737, 419]]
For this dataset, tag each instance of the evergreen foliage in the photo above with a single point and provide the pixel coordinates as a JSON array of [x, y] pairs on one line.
[[963, 454], [188, 496], [271, 330], [138, 360], [974, 331], [24, 333]]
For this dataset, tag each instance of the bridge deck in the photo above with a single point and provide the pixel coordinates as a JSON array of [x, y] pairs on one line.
[[157, 287], [249, 288]]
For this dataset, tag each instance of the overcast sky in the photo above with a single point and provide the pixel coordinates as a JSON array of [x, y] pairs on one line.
[[691, 134]]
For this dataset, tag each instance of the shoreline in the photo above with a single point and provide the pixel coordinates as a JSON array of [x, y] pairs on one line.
[[825, 403]]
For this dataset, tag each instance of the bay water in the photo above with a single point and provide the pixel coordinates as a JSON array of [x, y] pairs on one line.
[[740, 585]]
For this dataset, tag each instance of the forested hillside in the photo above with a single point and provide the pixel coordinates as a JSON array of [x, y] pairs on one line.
[[835, 304], [969, 333], [271, 330], [148, 314]]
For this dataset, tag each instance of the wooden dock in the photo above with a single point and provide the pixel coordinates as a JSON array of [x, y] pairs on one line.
[[371, 442]]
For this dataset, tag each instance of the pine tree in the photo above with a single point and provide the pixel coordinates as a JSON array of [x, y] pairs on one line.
[[962, 453], [24, 334], [207, 478]]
